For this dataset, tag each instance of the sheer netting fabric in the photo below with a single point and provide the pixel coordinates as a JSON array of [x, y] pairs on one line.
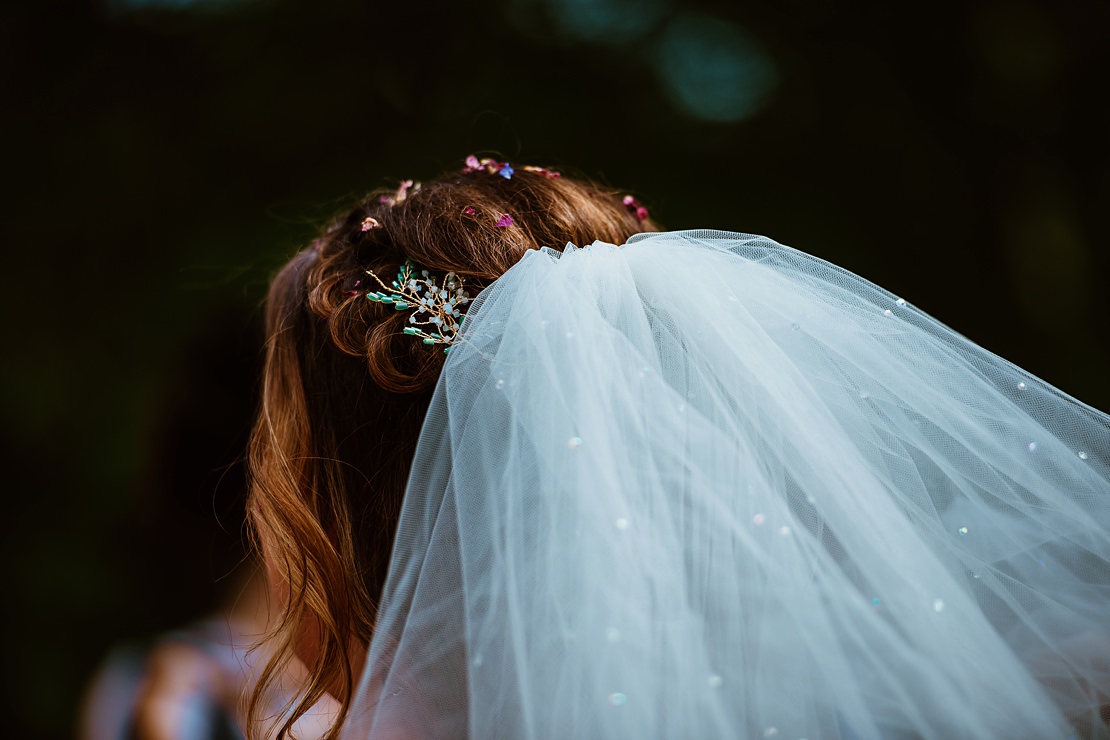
[[702, 485]]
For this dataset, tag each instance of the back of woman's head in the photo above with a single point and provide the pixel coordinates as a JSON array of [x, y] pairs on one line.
[[345, 391]]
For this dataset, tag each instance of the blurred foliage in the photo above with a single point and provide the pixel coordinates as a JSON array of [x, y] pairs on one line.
[[163, 157]]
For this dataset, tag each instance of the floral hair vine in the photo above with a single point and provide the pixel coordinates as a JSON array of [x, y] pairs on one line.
[[504, 169], [438, 308]]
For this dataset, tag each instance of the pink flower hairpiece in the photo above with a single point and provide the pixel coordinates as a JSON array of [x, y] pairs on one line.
[[633, 205], [406, 188], [503, 221]]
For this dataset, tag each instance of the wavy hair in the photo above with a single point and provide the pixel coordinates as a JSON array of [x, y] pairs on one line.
[[344, 394]]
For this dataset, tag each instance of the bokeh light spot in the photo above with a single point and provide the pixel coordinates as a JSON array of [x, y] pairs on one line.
[[713, 69], [595, 21]]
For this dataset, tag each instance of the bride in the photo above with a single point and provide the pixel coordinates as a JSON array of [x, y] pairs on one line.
[[526, 467]]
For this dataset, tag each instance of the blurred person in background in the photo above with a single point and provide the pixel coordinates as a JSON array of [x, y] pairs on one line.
[[191, 684]]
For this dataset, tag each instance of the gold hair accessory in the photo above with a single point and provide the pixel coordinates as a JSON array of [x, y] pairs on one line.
[[437, 307]]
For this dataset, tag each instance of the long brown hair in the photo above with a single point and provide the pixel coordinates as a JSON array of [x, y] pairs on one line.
[[344, 393]]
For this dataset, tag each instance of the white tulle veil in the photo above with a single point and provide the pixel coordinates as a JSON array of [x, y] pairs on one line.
[[703, 485]]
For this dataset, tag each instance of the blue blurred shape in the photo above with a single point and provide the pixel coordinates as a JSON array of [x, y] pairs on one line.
[[713, 69], [603, 21]]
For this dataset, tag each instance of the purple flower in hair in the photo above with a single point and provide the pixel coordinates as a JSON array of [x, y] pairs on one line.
[[505, 220]]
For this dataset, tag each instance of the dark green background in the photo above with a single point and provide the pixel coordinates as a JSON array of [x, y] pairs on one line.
[[161, 159]]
